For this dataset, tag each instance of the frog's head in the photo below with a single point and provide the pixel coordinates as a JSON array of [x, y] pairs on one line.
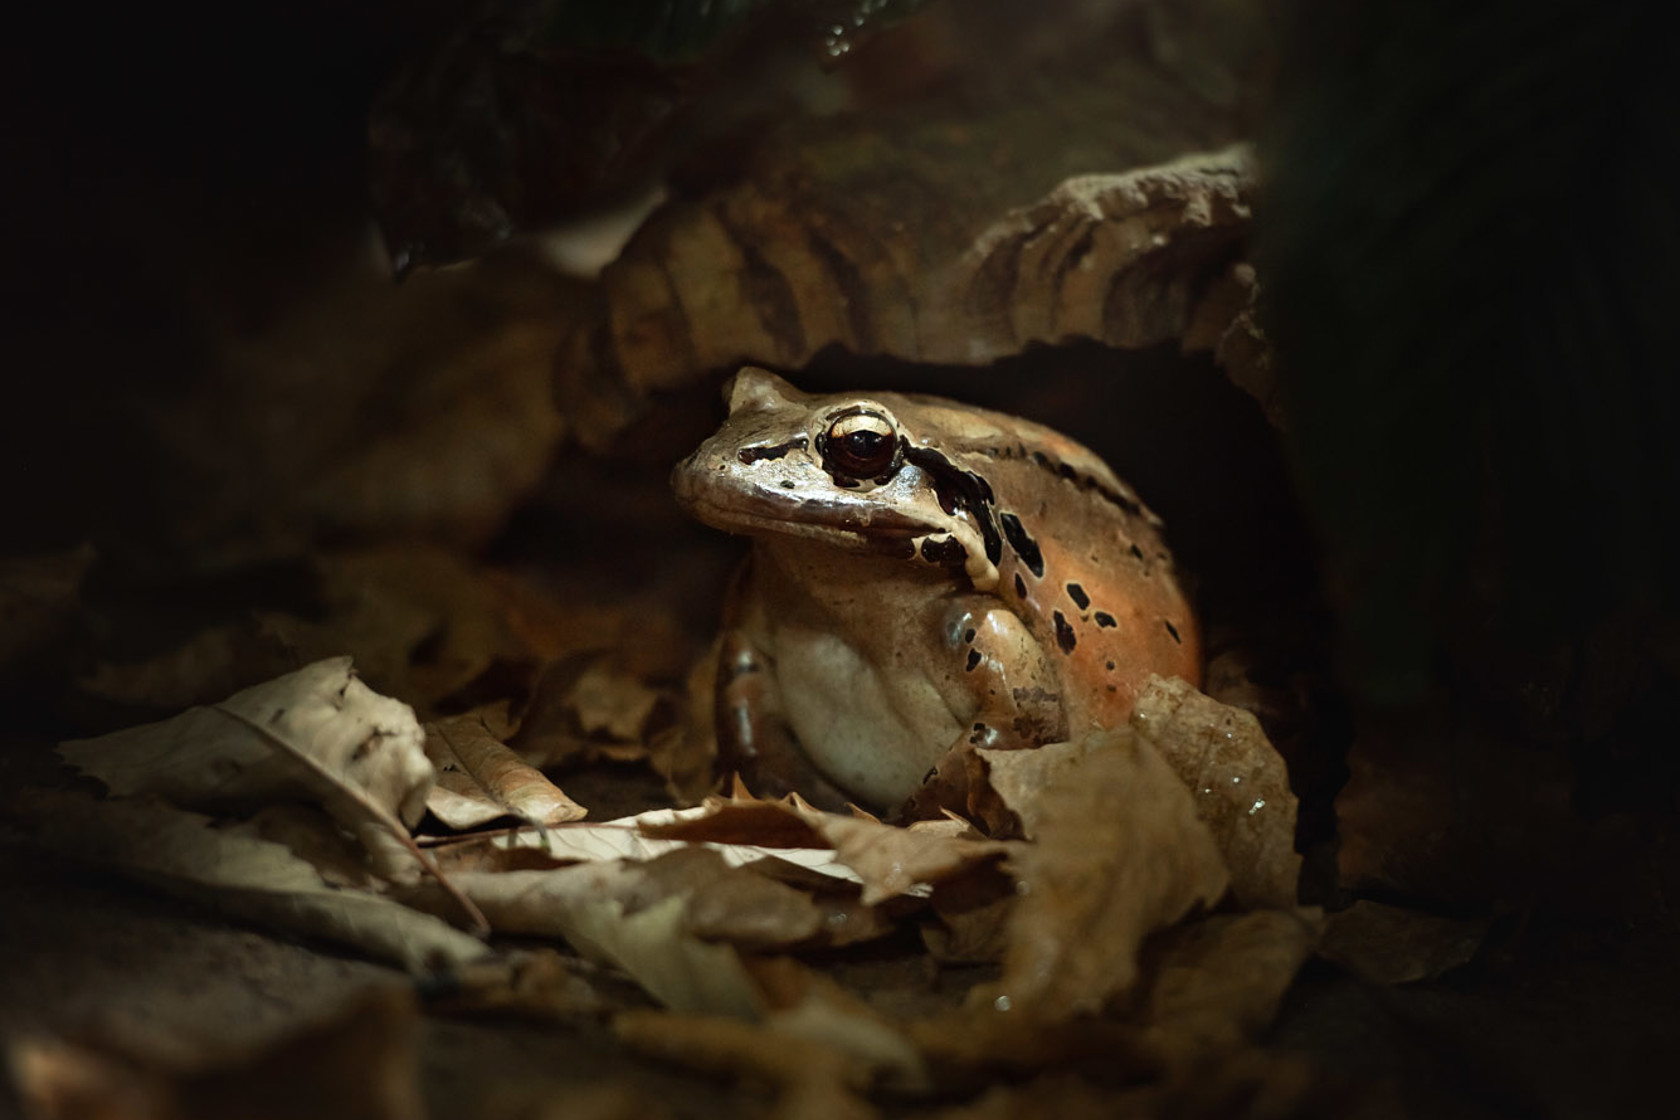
[[844, 469]]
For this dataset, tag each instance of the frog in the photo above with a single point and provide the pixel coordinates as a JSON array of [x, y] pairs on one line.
[[926, 578]]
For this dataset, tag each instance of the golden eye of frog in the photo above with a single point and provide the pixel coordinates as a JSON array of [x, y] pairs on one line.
[[926, 577]]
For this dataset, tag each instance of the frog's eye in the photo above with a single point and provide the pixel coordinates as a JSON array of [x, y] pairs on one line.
[[861, 445]]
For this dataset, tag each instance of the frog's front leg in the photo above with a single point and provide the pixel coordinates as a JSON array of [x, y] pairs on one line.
[[754, 740], [1019, 706]]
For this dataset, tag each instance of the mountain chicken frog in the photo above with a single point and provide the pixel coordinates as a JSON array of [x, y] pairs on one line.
[[926, 577]]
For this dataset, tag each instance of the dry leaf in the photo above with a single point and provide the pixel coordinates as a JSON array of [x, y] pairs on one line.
[[646, 837], [614, 912], [987, 1039], [1219, 980], [813, 1081], [1240, 782], [974, 913], [236, 873], [894, 861], [318, 734], [1383, 944], [737, 906], [362, 1065], [1021, 778], [584, 706], [1119, 855], [808, 1005], [888, 861], [540, 984], [476, 769]]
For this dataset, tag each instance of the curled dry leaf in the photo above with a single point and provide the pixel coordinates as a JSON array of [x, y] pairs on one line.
[[318, 735], [887, 860], [1120, 854], [237, 873], [1219, 980], [652, 834], [362, 1064], [619, 913], [1240, 784], [480, 779]]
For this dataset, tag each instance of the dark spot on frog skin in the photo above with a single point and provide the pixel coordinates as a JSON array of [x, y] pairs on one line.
[[968, 635], [973, 660], [1173, 630], [1023, 544], [1137, 552], [945, 552], [1111, 688], [1065, 639], [901, 548], [787, 484], [1077, 594], [751, 455], [1105, 620], [959, 489], [1111, 666], [1020, 586]]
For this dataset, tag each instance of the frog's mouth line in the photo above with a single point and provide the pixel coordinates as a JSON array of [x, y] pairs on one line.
[[881, 530]]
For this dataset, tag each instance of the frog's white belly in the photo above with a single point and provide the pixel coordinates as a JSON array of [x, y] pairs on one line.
[[871, 731]]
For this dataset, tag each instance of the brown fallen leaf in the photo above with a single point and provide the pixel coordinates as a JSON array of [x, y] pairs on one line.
[[1240, 783], [586, 705], [973, 912], [362, 1064], [738, 820], [1120, 854], [212, 758], [318, 735], [1218, 981], [1384, 944], [973, 1045], [888, 860], [892, 861], [475, 768], [1021, 778], [616, 913], [235, 872], [734, 905], [539, 984], [812, 1080]]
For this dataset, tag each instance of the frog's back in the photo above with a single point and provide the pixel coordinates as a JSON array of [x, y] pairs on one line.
[[1082, 560]]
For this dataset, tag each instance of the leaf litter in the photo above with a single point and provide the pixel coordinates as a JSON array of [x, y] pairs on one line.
[[1141, 925]]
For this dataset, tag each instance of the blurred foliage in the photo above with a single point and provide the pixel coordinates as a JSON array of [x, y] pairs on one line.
[[532, 112], [683, 30]]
